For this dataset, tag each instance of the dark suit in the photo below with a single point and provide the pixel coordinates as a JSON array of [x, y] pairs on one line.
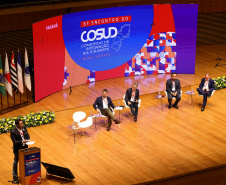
[[169, 86], [17, 145], [98, 104], [205, 94], [133, 105]]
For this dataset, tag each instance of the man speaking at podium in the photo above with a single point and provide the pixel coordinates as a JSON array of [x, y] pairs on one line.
[[20, 137]]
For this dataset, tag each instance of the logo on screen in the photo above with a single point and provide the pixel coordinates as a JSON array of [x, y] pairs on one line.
[[99, 34], [123, 33], [104, 40]]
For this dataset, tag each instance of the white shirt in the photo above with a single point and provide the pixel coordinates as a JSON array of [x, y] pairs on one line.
[[21, 134], [105, 103], [133, 97], [206, 85], [173, 86]]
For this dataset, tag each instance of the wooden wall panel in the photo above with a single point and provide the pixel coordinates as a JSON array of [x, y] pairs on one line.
[[23, 17]]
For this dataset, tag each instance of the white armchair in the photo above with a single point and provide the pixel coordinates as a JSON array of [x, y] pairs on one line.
[[209, 95], [139, 102], [85, 124], [78, 116]]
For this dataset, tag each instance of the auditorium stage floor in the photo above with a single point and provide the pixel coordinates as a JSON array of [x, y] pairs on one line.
[[161, 144]]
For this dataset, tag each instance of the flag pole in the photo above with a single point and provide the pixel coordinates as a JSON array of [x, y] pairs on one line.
[[14, 96], [3, 78], [12, 85], [24, 71], [27, 94], [8, 99], [1, 101], [7, 92], [21, 70]]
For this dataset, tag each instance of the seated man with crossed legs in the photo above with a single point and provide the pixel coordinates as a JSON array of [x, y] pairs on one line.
[[102, 105], [205, 88]]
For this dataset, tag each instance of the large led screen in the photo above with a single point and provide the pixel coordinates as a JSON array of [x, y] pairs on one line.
[[89, 46]]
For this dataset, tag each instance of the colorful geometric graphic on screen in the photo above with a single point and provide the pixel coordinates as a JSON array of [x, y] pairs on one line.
[[156, 56]]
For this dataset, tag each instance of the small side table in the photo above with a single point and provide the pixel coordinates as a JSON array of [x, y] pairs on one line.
[[119, 108], [73, 127], [190, 93], [159, 98], [95, 116]]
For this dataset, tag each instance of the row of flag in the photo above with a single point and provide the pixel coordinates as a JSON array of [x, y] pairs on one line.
[[12, 77]]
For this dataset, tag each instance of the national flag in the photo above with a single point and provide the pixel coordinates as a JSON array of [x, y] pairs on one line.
[[2, 85], [27, 77], [19, 74], [8, 84], [13, 72]]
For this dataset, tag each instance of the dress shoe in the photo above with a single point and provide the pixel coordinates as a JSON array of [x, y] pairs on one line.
[[175, 106], [203, 108], [135, 119], [169, 106], [117, 121], [108, 127], [15, 178]]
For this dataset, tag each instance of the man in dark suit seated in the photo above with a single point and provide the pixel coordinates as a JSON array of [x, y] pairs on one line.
[[205, 88], [173, 90], [19, 137], [102, 105], [132, 98]]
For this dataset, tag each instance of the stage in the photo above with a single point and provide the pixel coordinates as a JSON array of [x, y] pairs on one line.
[[162, 143]]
